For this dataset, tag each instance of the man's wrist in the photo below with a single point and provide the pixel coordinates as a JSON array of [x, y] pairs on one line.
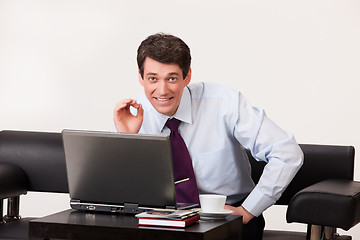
[[247, 216]]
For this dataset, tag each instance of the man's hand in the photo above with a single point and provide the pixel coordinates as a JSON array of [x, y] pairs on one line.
[[124, 120], [240, 211]]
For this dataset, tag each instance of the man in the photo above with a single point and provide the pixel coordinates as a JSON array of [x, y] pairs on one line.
[[216, 124]]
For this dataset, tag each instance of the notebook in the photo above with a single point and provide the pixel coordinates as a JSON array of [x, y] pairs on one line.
[[119, 172]]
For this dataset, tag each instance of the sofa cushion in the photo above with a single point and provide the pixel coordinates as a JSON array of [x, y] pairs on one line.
[[333, 203]]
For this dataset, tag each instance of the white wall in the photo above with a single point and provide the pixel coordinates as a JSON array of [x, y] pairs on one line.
[[64, 64]]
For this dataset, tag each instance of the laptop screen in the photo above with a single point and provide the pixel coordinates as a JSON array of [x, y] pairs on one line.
[[118, 168]]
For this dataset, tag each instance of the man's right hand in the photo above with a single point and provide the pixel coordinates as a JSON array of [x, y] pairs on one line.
[[124, 120]]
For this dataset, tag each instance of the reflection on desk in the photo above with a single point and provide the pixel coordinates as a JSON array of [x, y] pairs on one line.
[[72, 224]]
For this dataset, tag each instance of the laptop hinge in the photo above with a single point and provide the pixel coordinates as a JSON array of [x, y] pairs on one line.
[[131, 207], [170, 207]]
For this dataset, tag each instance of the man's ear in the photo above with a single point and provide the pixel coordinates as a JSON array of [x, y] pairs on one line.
[[188, 77], [141, 80]]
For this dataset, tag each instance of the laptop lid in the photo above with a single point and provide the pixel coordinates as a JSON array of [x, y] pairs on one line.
[[119, 172]]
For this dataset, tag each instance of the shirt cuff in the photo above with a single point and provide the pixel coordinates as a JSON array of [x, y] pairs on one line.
[[257, 202]]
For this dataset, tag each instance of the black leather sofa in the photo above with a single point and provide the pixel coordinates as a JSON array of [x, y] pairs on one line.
[[323, 194]]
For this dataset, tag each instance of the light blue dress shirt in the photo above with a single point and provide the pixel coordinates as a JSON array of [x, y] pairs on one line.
[[217, 123]]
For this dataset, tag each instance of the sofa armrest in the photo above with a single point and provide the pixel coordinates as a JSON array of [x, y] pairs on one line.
[[13, 181], [333, 203]]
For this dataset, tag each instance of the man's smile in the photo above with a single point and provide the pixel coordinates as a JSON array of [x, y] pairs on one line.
[[163, 100]]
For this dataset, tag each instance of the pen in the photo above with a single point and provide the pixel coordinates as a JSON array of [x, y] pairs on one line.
[[182, 180]]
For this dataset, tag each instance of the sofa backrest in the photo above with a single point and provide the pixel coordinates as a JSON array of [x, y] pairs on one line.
[[40, 155], [320, 162]]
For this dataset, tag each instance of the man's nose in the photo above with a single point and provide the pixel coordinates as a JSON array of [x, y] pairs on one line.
[[163, 88]]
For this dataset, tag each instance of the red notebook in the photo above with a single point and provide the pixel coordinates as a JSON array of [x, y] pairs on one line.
[[166, 222]]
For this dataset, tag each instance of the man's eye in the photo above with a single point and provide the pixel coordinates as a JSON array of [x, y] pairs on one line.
[[172, 79], [152, 79]]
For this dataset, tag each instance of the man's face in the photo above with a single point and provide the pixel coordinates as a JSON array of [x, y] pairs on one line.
[[163, 85]]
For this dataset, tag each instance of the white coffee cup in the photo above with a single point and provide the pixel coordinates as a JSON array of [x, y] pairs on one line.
[[211, 203]]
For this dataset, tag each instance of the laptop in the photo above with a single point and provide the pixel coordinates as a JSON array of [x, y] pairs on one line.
[[119, 172]]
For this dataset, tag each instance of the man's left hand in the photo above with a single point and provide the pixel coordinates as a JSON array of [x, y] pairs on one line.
[[247, 216]]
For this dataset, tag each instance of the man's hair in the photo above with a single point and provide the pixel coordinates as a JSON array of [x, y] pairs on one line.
[[164, 48]]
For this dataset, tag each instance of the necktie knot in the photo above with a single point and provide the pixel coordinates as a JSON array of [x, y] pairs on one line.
[[173, 124]]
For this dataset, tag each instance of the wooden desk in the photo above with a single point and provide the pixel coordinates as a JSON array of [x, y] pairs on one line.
[[71, 224]]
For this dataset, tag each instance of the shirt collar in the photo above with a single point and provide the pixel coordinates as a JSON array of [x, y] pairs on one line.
[[183, 113]]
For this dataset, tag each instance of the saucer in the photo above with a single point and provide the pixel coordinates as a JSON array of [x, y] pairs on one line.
[[215, 215]]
